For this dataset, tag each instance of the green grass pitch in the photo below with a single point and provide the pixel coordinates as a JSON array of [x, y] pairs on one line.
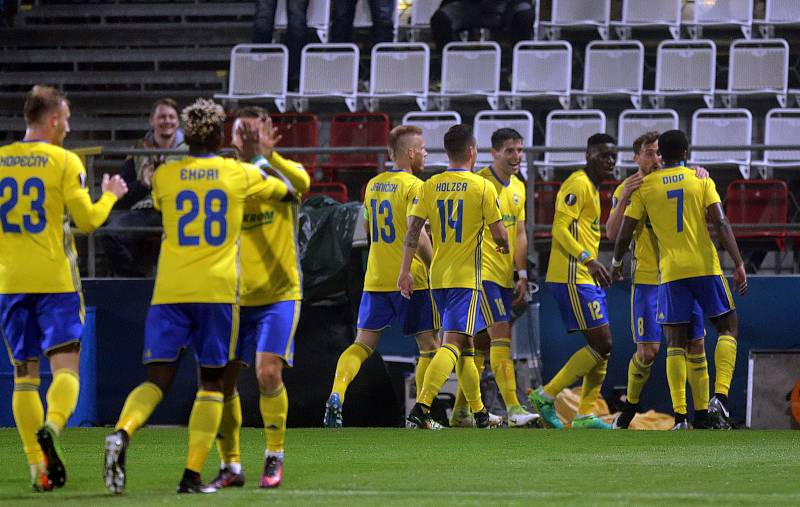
[[367, 466]]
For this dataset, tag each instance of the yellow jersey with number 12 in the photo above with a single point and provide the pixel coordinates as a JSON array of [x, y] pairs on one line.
[[497, 267], [202, 201], [579, 200], [458, 204], [387, 203], [39, 182], [675, 200]]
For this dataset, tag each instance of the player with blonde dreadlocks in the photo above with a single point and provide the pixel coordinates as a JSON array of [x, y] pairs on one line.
[[201, 199]]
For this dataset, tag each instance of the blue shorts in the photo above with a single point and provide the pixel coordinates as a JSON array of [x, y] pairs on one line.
[[460, 310], [677, 299], [496, 303], [269, 329], [378, 310], [33, 324], [211, 328], [644, 309], [583, 306]]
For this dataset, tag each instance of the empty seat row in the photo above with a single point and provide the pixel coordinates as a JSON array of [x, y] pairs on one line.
[[540, 70]]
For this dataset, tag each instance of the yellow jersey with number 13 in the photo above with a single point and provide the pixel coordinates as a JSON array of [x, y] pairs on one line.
[[675, 200], [387, 203], [458, 204], [201, 201]]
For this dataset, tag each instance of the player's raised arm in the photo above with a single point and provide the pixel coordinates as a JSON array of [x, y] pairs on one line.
[[728, 242], [405, 282], [88, 216], [620, 202]]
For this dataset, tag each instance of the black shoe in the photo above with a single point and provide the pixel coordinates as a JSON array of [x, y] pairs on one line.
[[484, 419], [419, 418], [114, 462], [702, 421], [623, 420], [227, 478], [48, 441], [718, 412], [191, 483]]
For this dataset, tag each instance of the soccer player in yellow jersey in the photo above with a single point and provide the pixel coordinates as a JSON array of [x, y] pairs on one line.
[[271, 291], [644, 296], [195, 299], [677, 202], [500, 292], [576, 279], [458, 204], [41, 304], [387, 201]]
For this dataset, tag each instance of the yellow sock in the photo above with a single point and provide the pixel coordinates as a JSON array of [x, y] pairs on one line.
[[62, 397], [676, 377], [480, 365], [724, 362], [138, 407], [26, 404], [638, 373], [592, 382], [203, 426], [274, 407], [440, 368], [422, 365], [503, 368], [578, 365], [468, 379], [697, 373], [229, 430], [347, 368]]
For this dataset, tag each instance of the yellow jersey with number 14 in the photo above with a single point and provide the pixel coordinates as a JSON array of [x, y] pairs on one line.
[[458, 204], [202, 201], [39, 182], [578, 200], [675, 200], [497, 267], [645, 259], [387, 203]]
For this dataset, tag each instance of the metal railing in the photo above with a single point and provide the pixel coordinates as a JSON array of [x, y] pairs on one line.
[[89, 156]]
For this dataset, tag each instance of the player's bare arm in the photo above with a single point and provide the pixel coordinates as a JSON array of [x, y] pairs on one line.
[[500, 236], [425, 249], [405, 282], [621, 246], [728, 242], [630, 184]]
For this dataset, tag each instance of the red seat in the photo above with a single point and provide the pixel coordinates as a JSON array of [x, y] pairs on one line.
[[606, 190], [544, 202], [298, 130], [357, 129], [758, 202], [336, 191]]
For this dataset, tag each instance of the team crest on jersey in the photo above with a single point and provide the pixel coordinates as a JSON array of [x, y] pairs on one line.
[[515, 198], [571, 199]]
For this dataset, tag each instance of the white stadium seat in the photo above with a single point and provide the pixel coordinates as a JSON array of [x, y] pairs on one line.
[[328, 71], [578, 14], [258, 71], [635, 122], [721, 13], [783, 13], [470, 69], [724, 127], [486, 122], [685, 68], [434, 125], [647, 13], [566, 129], [540, 69], [758, 67], [780, 127], [613, 68], [399, 70]]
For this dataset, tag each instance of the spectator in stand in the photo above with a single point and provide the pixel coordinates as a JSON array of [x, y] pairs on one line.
[[165, 133], [509, 20], [343, 13], [264, 24]]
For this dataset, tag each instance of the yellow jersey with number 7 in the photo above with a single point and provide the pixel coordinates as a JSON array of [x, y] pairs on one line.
[[675, 200]]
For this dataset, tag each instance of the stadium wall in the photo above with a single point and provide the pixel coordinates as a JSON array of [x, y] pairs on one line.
[[767, 321]]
